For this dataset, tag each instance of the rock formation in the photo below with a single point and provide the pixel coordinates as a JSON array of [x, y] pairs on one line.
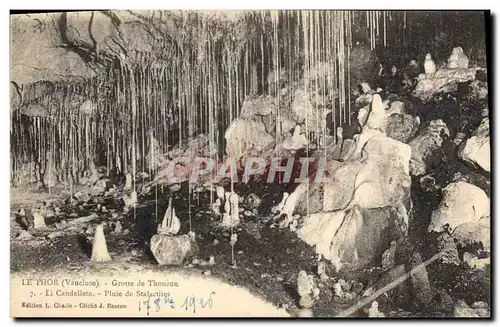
[[476, 150], [100, 248]]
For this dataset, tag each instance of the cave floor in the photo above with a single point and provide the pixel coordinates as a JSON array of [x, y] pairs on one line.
[[268, 259]]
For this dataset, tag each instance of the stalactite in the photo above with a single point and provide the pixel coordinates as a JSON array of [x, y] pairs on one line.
[[199, 89]]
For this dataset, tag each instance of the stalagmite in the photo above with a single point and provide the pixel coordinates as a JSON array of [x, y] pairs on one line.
[[170, 224], [216, 205], [429, 65], [39, 220], [130, 201], [99, 248], [221, 193], [128, 182], [461, 58], [231, 217]]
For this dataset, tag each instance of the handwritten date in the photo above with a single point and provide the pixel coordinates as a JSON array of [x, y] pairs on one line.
[[189, 303]]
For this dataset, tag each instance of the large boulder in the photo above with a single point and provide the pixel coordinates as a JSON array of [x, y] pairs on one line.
[[462, 203], [262, 105], [474, 232], [384, 175], [172, 250], [402, 127], [356, 238], [425, 148], [476, 150], [444, 80], [244, 135], [364, 199]]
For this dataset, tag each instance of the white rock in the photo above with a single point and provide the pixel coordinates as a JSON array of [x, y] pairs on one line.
[[476, 263], [301, 105], [170, 224], [297, 141], [373, 311], [172, 250], [474, 231], [220, 192], [216, 206], [429, 65], [444, 80], [128, 181], [337, 290], [24, 235], [231, 217], [39, 220], [305, 288], [462, 203], [462, 310], [257, 105], [425, 147], [54, 235], [99, 248], [477, 149], [118, 228], [458, 59], [480, 305], [245, 135], [453, 59]]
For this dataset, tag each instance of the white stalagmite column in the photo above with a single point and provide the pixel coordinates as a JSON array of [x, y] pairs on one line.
[[219, 190], [100, 249], [171, 223], [128, 182], [231, 218], [39, 220]]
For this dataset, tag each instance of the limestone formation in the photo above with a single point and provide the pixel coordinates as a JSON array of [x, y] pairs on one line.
[[429, 65], [444, 80], [458, 59], [220, 192], [296, 141], [373, 312], [426, 147], [118, 228], [99, 248], [39, 219], [306, 289], [216, 205], [258, 106], [474, 232], [128, 181], [243, 135], [170, 224], [172, 250], [388, 256], [476, 150], [230, 217], [462, 203], [477, 263]]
